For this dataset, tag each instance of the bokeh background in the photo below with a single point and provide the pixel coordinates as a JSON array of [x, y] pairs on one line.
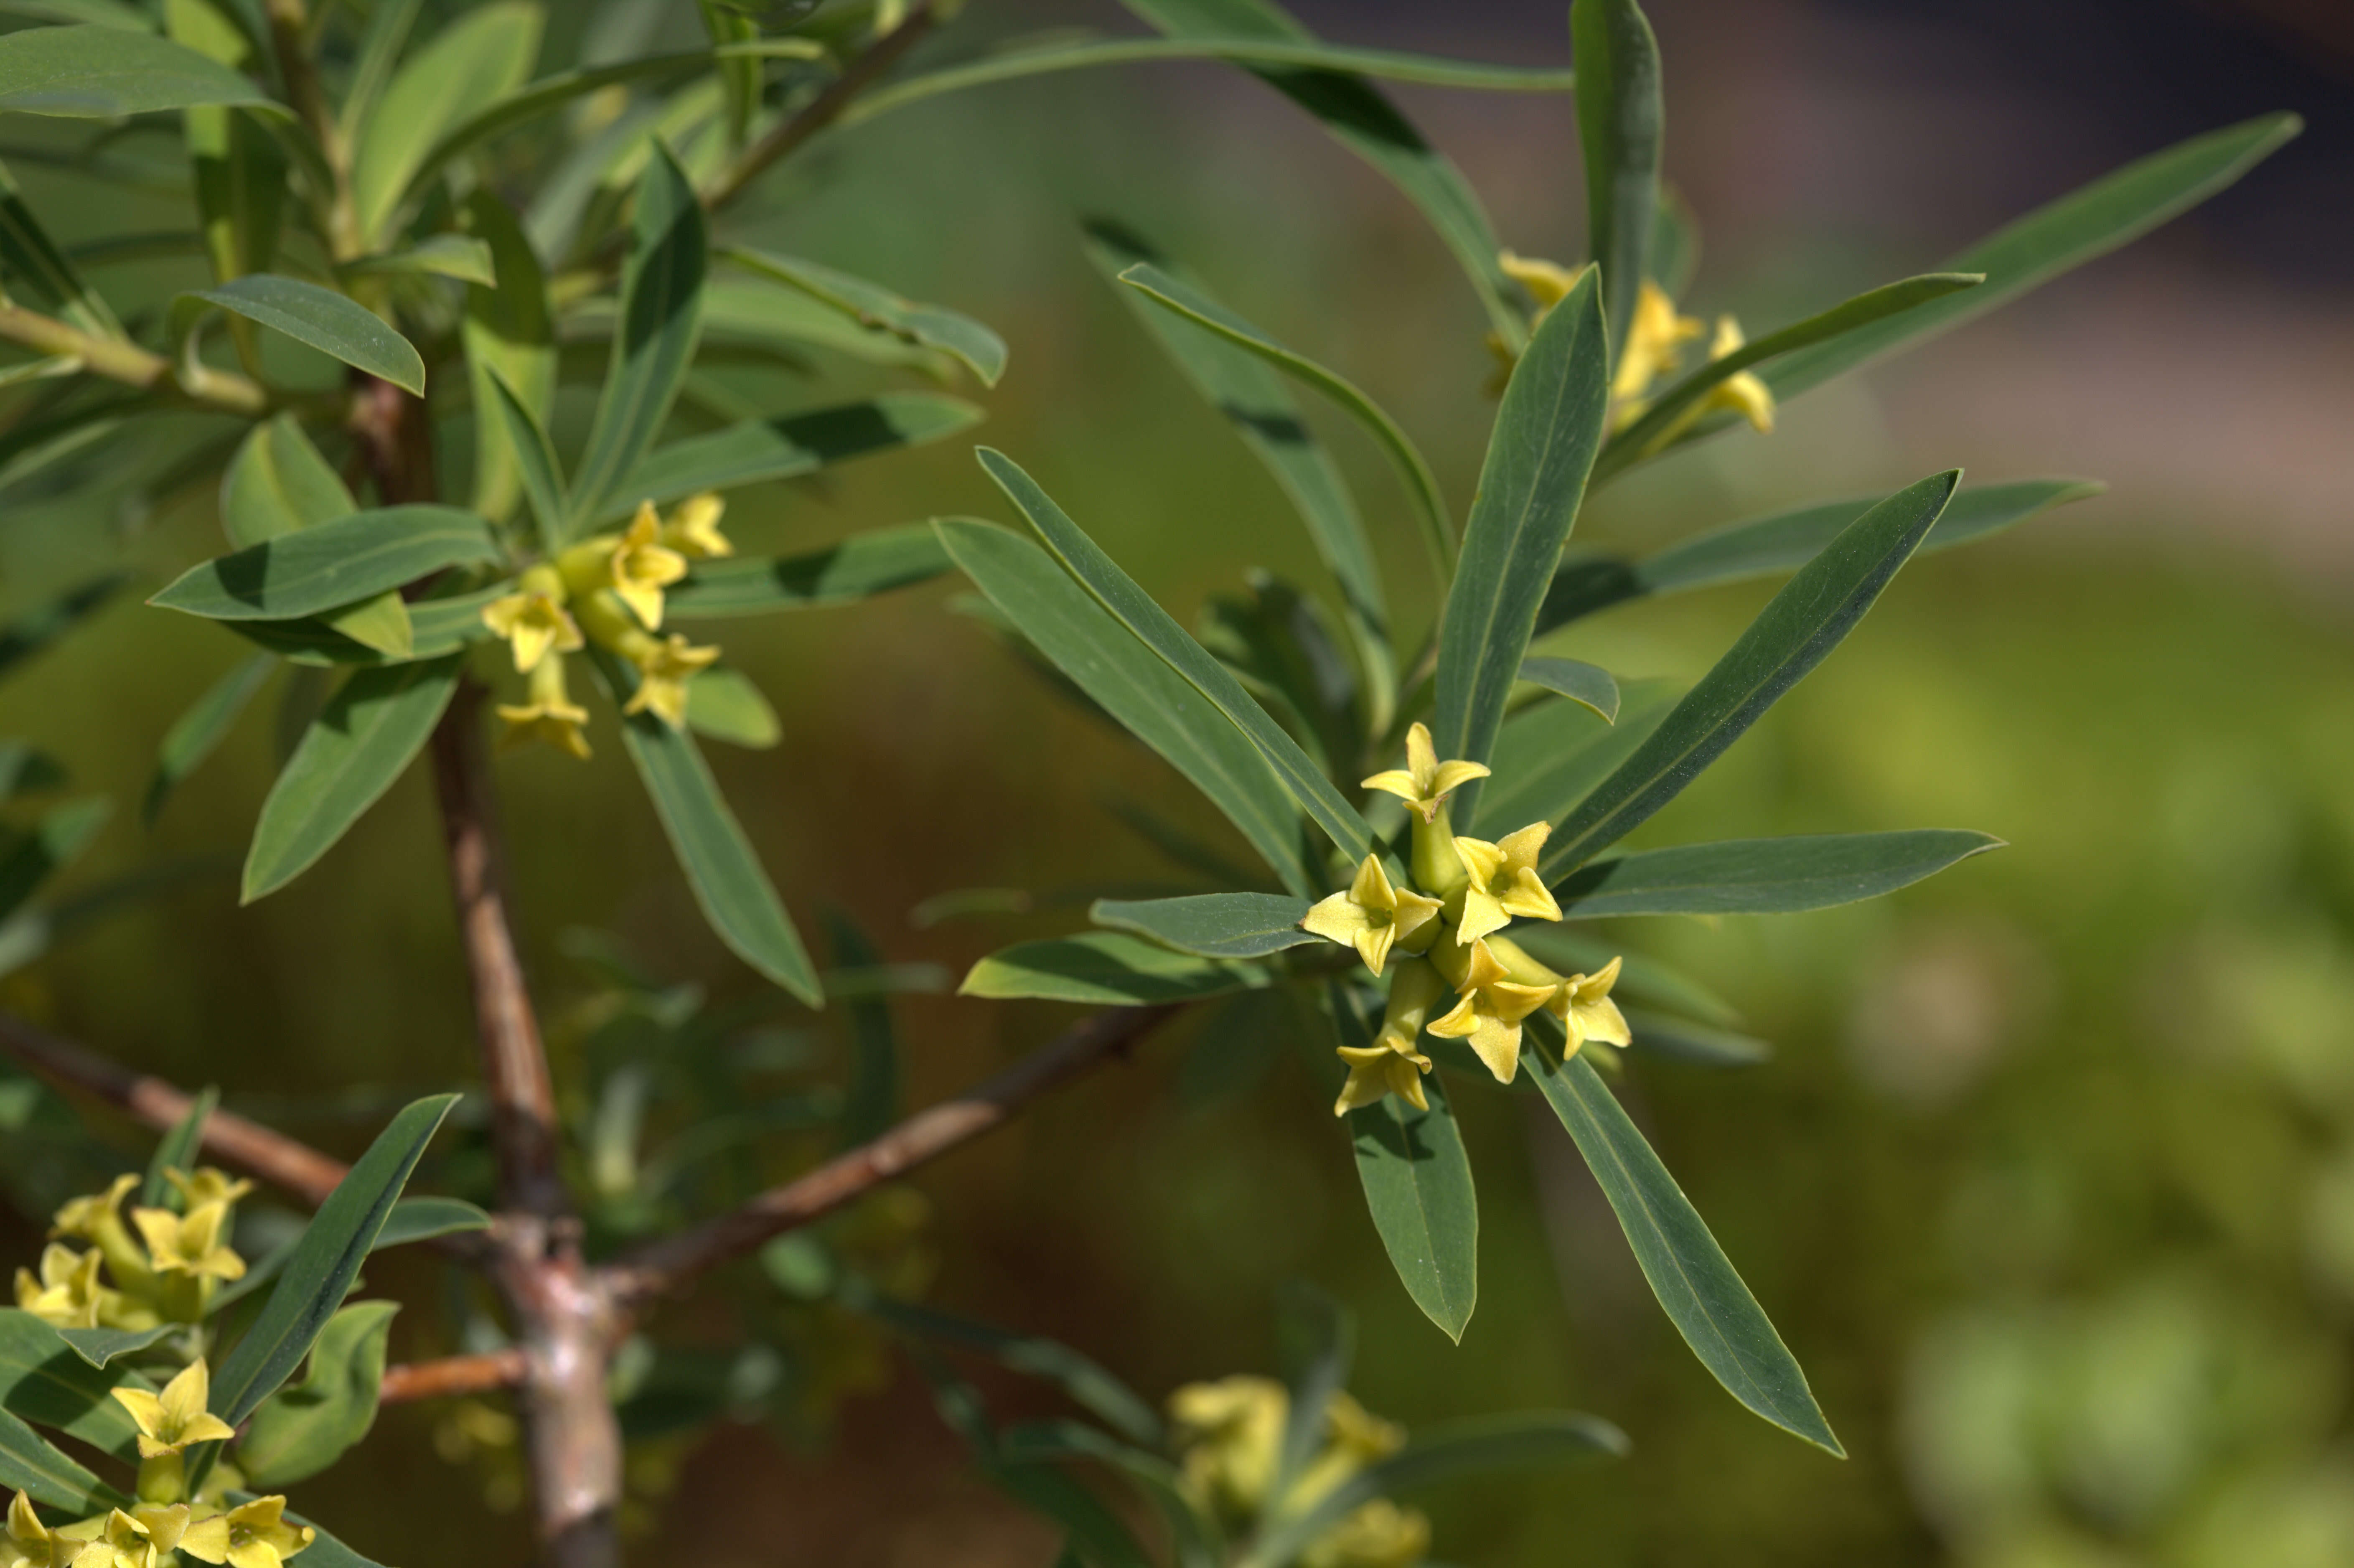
[[2051, 1181]]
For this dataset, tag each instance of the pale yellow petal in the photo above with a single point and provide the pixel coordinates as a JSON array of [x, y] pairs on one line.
[[1498, 1045], [1479, 858], [1371, 888], [1413, 912], [1520, 849], [1600, 1020], [1405, 1081], [1527, 895], [1397, 781], [1449, 777], [1457, 1021], [1336, 919], [146, 1409], [1483, 914], [1421, 757], [1373, 944]]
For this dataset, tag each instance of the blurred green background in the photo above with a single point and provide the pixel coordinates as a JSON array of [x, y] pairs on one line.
[[2050, 1182]]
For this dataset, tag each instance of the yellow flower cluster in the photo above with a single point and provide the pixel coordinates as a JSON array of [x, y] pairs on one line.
[[1230, 1439], [1655, 338], [609, 590], [166, 1274], [253, 1534], [1449, 928]]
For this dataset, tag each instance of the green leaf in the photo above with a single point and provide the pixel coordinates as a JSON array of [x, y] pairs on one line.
[[1796, 632], [30, 859], [1363, 120], [459, 256], [661, 297], [438, 627], [1762, 876], [319, 1274], [24, 771], [1485, 1444], [1212, 925], [961, 337], [465, 67], [858, 568], [96, 72], [724, 705], [2078, 227], [1688, 1273], [278, 484], [40, 273], [1417, 1182], [1698, 1044], [1194, 1536], [1620, 125], [388, 25], [177, 1150], [37, 628], [1151, 700], [28, 1463], [530, 456], [43, 1381], [786, 447], [1097, 1536], [1675, 242], [302, 1429], [741, 78], [1547, 431], [1255, 401], [1088, 1384], [1589, 686], [509, 335], [1106, 969], [423, 1218], [729, 885], [1766, 546], [1668, 415], [101, 1346], [331, 565], [1315, 1345], [362, 740], [1152, 626], [336, 324], [1421, 484]]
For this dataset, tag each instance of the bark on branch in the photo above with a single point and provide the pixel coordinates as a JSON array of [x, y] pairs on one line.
[[453, 1376]]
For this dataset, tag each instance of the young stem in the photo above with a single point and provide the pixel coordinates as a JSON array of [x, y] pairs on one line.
[[824, 109], [130, 363]]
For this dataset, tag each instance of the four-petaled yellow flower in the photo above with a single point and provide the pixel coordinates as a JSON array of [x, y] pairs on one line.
[[694, 528], [1424, 782], [1373, 915], [551, 714], [1653, 338], [251, 1535], [1500, 881], [1375, 1071], [209, 1185], [1489, 1007], [663, 669], [68, 1294], [170, 1421], [98, 1219], [119, 1540], [29, 1543], [1584, 1006], [641, 566], [189, 1243], [1375, 1534], [533, 622]]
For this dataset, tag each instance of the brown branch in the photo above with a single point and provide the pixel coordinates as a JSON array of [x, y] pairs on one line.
[[453, 1376], [823, 110], [229, 1138], [667, 1265]]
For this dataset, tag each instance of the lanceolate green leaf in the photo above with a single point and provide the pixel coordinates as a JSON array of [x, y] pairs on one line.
[[1695, 1283], [1621, 122], [336, 324], [331, 565], [278, 485], [530, 458], [509, 335], [468, 66], [94, 72], [98, 1347], [458, 256], [1546, 433], [788, 446], [1786, 541], [1154, 627], [304, 1428], [2067, 233], [858, 568], [1590, 686], [724, 705], [1105, 969], [1762, 876], [979, 350], [1796, 631], [1421, 484], [362, 740], [422, 1219], [1238, 383], [37, 269], [721, 867], [1363, 120], [1152, 701], [662, 302], [1666, 417], [438, 626], [43, 1381], [310, 1288], [1212, 925], [30, 1465]]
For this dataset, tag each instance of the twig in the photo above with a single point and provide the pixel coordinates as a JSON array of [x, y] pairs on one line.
[[230, 1138], [290, 29], [823, 110], [665, 1265], [453, 1376], [118, 360]]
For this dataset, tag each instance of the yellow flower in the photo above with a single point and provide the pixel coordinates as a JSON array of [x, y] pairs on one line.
[[551, 714], [98, 1219], [209, 1185], [694, 528], [1653, 336], [1582, 1002], [1500, 881], [119, 1540], [534, 620], [1377, 1535], [663, 669], [68, 1294], [640, 567], [1424, 782], [1491, 1007], [1741, 392], [251, 1535], [1548, 282], [1391, 1065], [172, 1420], [1372, 915], [29, 1543], [189, 1243], [1231, 1432]]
